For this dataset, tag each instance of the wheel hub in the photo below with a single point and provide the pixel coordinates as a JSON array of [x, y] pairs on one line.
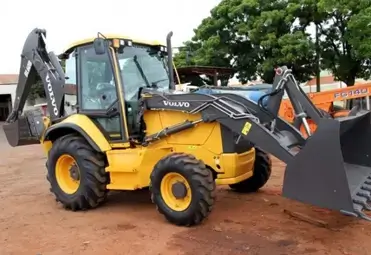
[[179, 190], [74, 173]]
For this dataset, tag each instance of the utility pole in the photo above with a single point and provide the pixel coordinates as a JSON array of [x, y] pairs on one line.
[[318, 57]]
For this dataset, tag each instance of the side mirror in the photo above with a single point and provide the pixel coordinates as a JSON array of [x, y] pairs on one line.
[[99, 46]]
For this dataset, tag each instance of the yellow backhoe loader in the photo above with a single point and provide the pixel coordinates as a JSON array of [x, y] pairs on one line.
[[117, 123]]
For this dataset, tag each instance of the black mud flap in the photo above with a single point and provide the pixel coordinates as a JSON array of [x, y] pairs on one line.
[[333, 169], [25, 130]]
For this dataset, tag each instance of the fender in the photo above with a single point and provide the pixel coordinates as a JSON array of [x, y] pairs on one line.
[[84, 126]]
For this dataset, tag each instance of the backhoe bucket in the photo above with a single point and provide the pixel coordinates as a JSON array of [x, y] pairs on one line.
[[26, 130], [333, 169]]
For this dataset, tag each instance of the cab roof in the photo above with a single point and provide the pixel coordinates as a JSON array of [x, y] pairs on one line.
[[111, 36]]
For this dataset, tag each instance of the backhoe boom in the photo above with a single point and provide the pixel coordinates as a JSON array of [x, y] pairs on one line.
[[36, 61]]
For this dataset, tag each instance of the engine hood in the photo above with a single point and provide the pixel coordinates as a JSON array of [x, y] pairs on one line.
[[253, 92]]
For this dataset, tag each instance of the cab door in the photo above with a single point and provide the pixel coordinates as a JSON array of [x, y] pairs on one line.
[[97, 93]]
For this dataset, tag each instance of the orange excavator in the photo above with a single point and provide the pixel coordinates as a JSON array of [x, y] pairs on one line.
[[325, 102]]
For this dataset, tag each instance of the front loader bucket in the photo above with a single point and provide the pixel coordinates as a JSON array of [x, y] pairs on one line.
[[333, 169]]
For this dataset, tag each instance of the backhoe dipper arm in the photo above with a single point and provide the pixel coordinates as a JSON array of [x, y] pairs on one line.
[[36, 61]]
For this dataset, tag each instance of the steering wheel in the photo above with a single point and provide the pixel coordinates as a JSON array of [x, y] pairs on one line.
[[106, 94]]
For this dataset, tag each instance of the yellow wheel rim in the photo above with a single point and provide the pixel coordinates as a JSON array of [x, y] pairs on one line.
[[66, 182], [176, 204]]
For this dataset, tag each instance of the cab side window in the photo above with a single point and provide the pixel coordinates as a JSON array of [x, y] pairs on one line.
[[98, 90], [70, 88]]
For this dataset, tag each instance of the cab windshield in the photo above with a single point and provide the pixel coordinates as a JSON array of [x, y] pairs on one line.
[[142, 67]]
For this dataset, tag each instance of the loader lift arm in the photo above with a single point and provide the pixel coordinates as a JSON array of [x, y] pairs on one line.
[[303, 106], [234, 112], [37, 61]]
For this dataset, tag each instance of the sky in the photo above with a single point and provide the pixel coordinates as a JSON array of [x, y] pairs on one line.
[[69, 20]]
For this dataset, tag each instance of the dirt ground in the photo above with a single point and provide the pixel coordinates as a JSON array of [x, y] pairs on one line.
[[31, 222]]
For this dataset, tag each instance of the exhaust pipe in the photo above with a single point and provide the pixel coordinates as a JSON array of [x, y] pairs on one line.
[[170, 60]]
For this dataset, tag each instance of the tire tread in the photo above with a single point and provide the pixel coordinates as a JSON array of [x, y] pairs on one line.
[[93, 191]]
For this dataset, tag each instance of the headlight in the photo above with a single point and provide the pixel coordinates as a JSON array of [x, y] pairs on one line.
[[126, 42], [161, 48]]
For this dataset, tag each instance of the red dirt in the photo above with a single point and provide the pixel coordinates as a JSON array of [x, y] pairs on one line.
[[31, 222]]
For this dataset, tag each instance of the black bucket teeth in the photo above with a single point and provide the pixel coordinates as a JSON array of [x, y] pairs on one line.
[[361, 200], [364, 194], [366, 187], [368, 181], [360, 204]]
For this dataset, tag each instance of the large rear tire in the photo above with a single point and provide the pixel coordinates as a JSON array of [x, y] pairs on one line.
[[76, 173], [262, 172], [183, 189]]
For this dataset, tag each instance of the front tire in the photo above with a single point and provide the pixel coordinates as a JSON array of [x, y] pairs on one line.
[[76, 173], [262, 172], [183, 189]]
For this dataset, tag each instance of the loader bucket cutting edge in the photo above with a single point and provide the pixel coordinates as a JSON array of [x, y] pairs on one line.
[[333, 169]]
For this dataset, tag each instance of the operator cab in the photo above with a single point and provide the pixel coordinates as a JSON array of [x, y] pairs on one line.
[[104, 84]]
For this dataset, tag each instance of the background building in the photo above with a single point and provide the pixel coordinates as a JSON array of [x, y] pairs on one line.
[[8, 85]]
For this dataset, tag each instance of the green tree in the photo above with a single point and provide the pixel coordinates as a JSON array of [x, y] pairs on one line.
[[345, 33], [254, 37], [37, 91], [185, 56]]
